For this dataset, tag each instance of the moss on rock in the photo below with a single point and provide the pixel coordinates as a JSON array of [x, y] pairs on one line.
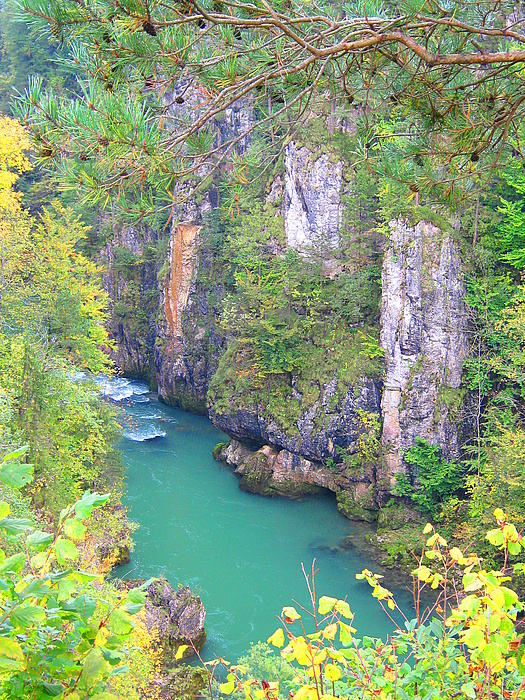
[[185, 401], [357, 507], [395, 515], [184, 683], [402, 547], [218, 451]]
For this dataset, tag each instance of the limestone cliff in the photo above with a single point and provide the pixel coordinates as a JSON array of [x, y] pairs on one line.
[[321, 427], [424, 340], [175, 377], [314, 427], [312, 206], [130, 278], [188, 343], [423, 334]]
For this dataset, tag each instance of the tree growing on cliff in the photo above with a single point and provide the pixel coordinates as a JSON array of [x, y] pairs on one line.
[[437, 88]]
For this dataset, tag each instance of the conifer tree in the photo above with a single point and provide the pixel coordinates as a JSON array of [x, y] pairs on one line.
[[437, 88]]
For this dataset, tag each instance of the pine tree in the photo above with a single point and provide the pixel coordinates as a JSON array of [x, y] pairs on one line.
[[437, 91]]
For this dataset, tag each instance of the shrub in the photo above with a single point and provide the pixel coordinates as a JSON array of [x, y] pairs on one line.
[[433, 478]]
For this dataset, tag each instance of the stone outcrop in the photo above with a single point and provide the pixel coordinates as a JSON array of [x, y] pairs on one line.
[[269, 471], [324, 450], [424, 337], [183, 683], [423, 334], [326, 425], [177, 618], [312, 206], [188, 342], [183, 262], [175, 376]]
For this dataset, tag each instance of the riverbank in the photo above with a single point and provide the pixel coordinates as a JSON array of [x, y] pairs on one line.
[[241, 553]]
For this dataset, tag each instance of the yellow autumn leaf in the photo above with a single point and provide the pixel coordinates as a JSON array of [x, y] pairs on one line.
[[227, 688], [498, 597], [14, 141], [277, 638], [330, 631], [304, 693], [301, 654], [290, 614], [456, 554], [332, 672], [102, 637], [423, 573], [343, 609], [180, 651]]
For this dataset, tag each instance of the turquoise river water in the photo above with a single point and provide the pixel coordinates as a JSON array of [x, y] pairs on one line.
[[241, 552]]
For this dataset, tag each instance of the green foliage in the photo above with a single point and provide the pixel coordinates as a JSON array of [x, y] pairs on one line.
[[53, 311], [50, 289], [511, 238], [368, 444], [501, 478], [260, 662], [341, 354], [58, 636], [290, 321], [432, 479], [112, 145], [125, 260], [401, 546], [25, 53], [71, 432]]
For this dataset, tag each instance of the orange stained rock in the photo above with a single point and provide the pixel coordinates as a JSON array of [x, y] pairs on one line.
[[183, 247]]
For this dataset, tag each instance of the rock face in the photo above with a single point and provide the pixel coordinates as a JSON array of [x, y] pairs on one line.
[[319, 431], [312, 200], [188, 344], [300, 449], [176, 378], [273, 472], [272, 461], [423, 334], [130, 282], [177, 618], [424, 337]]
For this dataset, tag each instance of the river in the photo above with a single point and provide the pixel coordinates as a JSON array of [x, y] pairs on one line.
[[242, 553]]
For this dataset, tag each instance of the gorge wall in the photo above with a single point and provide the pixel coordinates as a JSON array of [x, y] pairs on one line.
[[343, 419], [130, 279], [424, 336]]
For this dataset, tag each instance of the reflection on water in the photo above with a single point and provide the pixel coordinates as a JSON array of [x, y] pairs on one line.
[[242, 553]]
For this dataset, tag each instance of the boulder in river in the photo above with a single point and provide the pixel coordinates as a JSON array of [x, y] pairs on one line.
[[177, 616], [174, 616]]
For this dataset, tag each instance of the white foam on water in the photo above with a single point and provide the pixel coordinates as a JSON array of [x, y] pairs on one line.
[[148, 432], [120, 388], [139, 388]]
